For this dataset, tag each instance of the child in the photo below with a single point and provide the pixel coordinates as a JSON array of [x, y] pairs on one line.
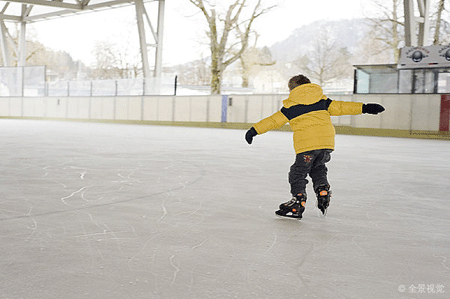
[[308, 112]]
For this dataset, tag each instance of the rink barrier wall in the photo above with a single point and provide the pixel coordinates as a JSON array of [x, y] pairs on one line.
[[417, 116]]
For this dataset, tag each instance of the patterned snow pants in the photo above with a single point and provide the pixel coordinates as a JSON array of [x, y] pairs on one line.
[[312, 163]]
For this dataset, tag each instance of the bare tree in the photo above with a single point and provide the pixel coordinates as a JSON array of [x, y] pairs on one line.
[[388, 28], [326, 61], [439, 22], [224, 48], [105, 61], [115, 61], [252, 60], [371, 50], [194, 73]]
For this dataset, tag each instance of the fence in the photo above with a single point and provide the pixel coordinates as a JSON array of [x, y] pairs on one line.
[[31, 81], [119, 87], [22, 81]]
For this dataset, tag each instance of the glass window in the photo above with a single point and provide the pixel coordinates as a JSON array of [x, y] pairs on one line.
[[444, 82], [384, 82], [430, 85], [405, 81], [376, 79], [362, 81]]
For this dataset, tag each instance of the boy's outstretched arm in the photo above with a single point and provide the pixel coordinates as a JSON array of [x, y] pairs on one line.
[[338, 108], [275, 121]]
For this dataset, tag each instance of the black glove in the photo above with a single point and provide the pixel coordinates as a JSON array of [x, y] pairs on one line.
[[250, 134], [372, 108]]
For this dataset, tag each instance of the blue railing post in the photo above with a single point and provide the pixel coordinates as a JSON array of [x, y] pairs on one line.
[[224, 108]]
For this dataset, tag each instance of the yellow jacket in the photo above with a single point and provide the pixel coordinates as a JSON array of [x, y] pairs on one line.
[[308, 112]]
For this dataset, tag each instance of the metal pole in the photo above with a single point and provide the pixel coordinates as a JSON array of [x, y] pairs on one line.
[[175, 86], [45, 82], [23, 82], [144, 86], [410, 28], [424, 25], [22, 41]]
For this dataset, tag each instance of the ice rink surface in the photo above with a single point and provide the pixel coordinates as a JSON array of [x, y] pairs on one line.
[[91, 210]]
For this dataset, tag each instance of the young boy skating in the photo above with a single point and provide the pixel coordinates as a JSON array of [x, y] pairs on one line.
[[308, 112]]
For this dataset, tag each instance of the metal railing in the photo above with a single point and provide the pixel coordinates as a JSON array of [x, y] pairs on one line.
[[31, 81], [125, 87]]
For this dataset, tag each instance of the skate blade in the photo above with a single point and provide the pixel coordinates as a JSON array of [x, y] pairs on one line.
[[323, 212], [322, 209], [281, 214]]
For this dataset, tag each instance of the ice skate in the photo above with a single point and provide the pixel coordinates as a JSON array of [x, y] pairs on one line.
[[323, 198], [293, 208]]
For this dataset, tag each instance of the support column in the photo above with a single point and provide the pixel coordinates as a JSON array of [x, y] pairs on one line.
[[410, 24], [22, 55], [142, 17], [22, 45], [4, 44], [412, 38], [140, 11], [159, 41], [424, 22]]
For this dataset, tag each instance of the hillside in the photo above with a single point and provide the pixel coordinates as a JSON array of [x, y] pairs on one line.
[[347, 33]]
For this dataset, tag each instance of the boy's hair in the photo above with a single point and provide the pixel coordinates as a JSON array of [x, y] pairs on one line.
[[297, 81]]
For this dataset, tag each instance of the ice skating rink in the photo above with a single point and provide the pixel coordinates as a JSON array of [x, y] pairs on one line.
[[92, 210]]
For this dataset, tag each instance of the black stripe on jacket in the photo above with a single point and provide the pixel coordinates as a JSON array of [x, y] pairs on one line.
[[297, 110]]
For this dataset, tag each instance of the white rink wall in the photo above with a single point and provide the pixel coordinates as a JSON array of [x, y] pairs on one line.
[[133, 108], [403, 112]]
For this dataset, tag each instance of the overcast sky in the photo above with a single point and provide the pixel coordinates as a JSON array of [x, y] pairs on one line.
[[184, 31]]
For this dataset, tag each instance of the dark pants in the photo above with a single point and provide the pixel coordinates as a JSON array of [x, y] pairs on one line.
[[312, 163]]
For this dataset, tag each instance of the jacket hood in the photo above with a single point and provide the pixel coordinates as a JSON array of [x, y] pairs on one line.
[[305, 94]]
